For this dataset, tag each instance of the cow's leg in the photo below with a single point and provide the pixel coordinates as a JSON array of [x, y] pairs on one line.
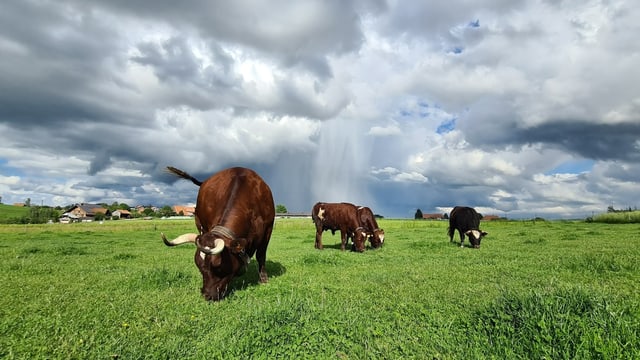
[[318, 244], [343, 239], [261, 256], [461, 238]]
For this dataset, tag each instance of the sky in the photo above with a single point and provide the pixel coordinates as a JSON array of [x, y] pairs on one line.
[[517, 108]]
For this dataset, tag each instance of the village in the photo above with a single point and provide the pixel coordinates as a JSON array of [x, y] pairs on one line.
[[86, 212]]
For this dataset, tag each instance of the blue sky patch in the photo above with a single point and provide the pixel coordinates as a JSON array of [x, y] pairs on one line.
[[8, 170], [446, 126], [573, 167]]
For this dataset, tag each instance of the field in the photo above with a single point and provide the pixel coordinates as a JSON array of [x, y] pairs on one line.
[[555, 290], [10, 212]]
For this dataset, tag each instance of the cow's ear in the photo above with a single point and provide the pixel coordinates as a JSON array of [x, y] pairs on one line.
[[468, 232], [238, 245], [485, 233]]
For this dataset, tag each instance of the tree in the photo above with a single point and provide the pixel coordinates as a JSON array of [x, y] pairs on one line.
[[148, 212], [41, 215], [418, 214], [281, 209], [445, 216], [166, 211], [27, 202]]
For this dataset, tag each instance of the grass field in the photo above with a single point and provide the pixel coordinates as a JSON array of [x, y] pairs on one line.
[[555, 290], [10, 212]]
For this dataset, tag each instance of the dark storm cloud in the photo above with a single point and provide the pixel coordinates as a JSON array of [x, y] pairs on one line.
[[56, 65], [325, 99], [583, 138], [591, 141], [296, 33]]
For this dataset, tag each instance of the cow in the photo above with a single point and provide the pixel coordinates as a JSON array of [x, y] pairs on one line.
[[467, 221], [368, 221], [337, 216], [234, 215]]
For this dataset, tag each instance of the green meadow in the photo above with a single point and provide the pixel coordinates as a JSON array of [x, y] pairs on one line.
[[549, 289]]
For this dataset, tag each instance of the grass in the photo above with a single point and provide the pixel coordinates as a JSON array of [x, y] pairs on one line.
[[10, 213], [113, 290]]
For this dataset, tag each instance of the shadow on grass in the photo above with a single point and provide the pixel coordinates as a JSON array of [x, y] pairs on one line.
[[252, 278]]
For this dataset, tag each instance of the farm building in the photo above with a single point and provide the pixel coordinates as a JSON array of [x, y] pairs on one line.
[[84, 212], [122, 214], [184, 210], [433, 216]]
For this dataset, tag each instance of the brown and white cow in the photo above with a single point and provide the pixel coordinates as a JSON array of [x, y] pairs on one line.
[[467, 221], [337, 216], [368, 221], [234, 215]]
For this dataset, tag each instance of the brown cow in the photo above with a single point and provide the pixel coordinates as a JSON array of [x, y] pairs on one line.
[[336, 216], [368, 221], [234, 214]]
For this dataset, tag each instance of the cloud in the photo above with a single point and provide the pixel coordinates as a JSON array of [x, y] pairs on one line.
[[393, 105], [385, 130]]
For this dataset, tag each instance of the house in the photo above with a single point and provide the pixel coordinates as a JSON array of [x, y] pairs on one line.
[[86, 212], [184, 210], [433, 216], [67, 218], [490, 217], [122, 214], [140, 209]]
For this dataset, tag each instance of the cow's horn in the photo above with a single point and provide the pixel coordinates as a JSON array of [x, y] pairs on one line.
[[182, 239], [217, 249]]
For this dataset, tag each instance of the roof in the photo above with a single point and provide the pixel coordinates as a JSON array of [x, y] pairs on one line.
[[186, 210], [490, 217], [90, 209], [433, 216]]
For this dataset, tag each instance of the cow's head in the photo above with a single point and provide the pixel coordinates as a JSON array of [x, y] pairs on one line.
[[475, 236], [377, 240], [219, 257], [359, 239]]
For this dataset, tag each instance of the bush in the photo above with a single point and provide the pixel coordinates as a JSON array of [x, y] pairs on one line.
[[626, 217]]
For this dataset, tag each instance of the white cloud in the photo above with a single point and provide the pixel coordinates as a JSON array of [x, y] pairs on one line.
[[402, 105], [390, 130]]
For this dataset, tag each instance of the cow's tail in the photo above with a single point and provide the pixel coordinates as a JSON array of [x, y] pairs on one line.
[[450, 231], [184, 175]]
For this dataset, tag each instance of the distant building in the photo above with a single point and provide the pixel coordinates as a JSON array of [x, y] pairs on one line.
[[293, 215], [433, 216], [184, 210], [84, 212], [490, 217], [122, 214]]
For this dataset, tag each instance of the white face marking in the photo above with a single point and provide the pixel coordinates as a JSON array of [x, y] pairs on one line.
[[476, 234], [321, 214], [202, 255]]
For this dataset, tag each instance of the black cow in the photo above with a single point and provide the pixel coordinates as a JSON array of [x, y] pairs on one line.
[[467, 221]]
